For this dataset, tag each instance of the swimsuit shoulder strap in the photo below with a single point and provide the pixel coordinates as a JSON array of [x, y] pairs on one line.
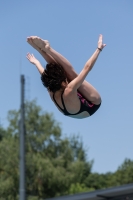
[[65, 110], [57, 103]]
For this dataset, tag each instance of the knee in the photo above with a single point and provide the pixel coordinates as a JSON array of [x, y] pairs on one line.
[[96, 99]]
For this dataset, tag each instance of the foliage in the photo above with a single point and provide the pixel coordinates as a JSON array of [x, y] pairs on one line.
[[2, 133], [55, 165], [124, 174], [9, 172], [77, 188]]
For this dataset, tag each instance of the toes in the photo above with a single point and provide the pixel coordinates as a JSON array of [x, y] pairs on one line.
[[37, 42], [29, 40]]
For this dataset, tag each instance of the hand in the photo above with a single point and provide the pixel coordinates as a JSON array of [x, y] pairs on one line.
[[31, 58], [100, 42]]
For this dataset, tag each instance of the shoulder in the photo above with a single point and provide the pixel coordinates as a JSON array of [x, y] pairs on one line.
[[70, 93]]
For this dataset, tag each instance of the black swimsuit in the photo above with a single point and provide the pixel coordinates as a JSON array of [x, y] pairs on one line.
[[85, 106]]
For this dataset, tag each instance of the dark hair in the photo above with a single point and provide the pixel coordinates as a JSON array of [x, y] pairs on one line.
[[53, 76]]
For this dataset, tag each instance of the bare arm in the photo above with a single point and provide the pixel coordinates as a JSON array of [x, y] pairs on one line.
[[34, 61], [76, 83]]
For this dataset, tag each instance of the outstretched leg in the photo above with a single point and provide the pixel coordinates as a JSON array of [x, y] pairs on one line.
[[86, 89], [45, 47]]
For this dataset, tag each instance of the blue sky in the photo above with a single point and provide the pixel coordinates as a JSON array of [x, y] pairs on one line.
[[73, 27]]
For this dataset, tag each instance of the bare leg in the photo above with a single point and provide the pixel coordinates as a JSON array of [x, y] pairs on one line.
[[45, 46], [86, 89]]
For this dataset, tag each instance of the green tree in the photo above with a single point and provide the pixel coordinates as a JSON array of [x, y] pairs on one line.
[[124, 173], [2, 133], [9, 172], [77, 188], [100, 181], [53, 163]]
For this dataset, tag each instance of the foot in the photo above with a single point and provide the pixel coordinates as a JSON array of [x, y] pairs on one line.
[[30, 41], [41, 44]]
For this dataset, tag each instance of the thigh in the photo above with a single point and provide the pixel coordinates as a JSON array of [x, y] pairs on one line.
[[90, 93], [86, 89]]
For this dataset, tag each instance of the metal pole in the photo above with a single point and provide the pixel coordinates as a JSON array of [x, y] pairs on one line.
[[22, 192]]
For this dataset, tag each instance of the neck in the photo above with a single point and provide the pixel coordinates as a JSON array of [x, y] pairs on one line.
[[58, 92]]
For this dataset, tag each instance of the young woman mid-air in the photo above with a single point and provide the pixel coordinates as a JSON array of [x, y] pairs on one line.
[[72, 95]]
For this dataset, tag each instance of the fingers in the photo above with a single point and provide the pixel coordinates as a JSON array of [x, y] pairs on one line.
[[29, 56], [100, 38], [100, 42]]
